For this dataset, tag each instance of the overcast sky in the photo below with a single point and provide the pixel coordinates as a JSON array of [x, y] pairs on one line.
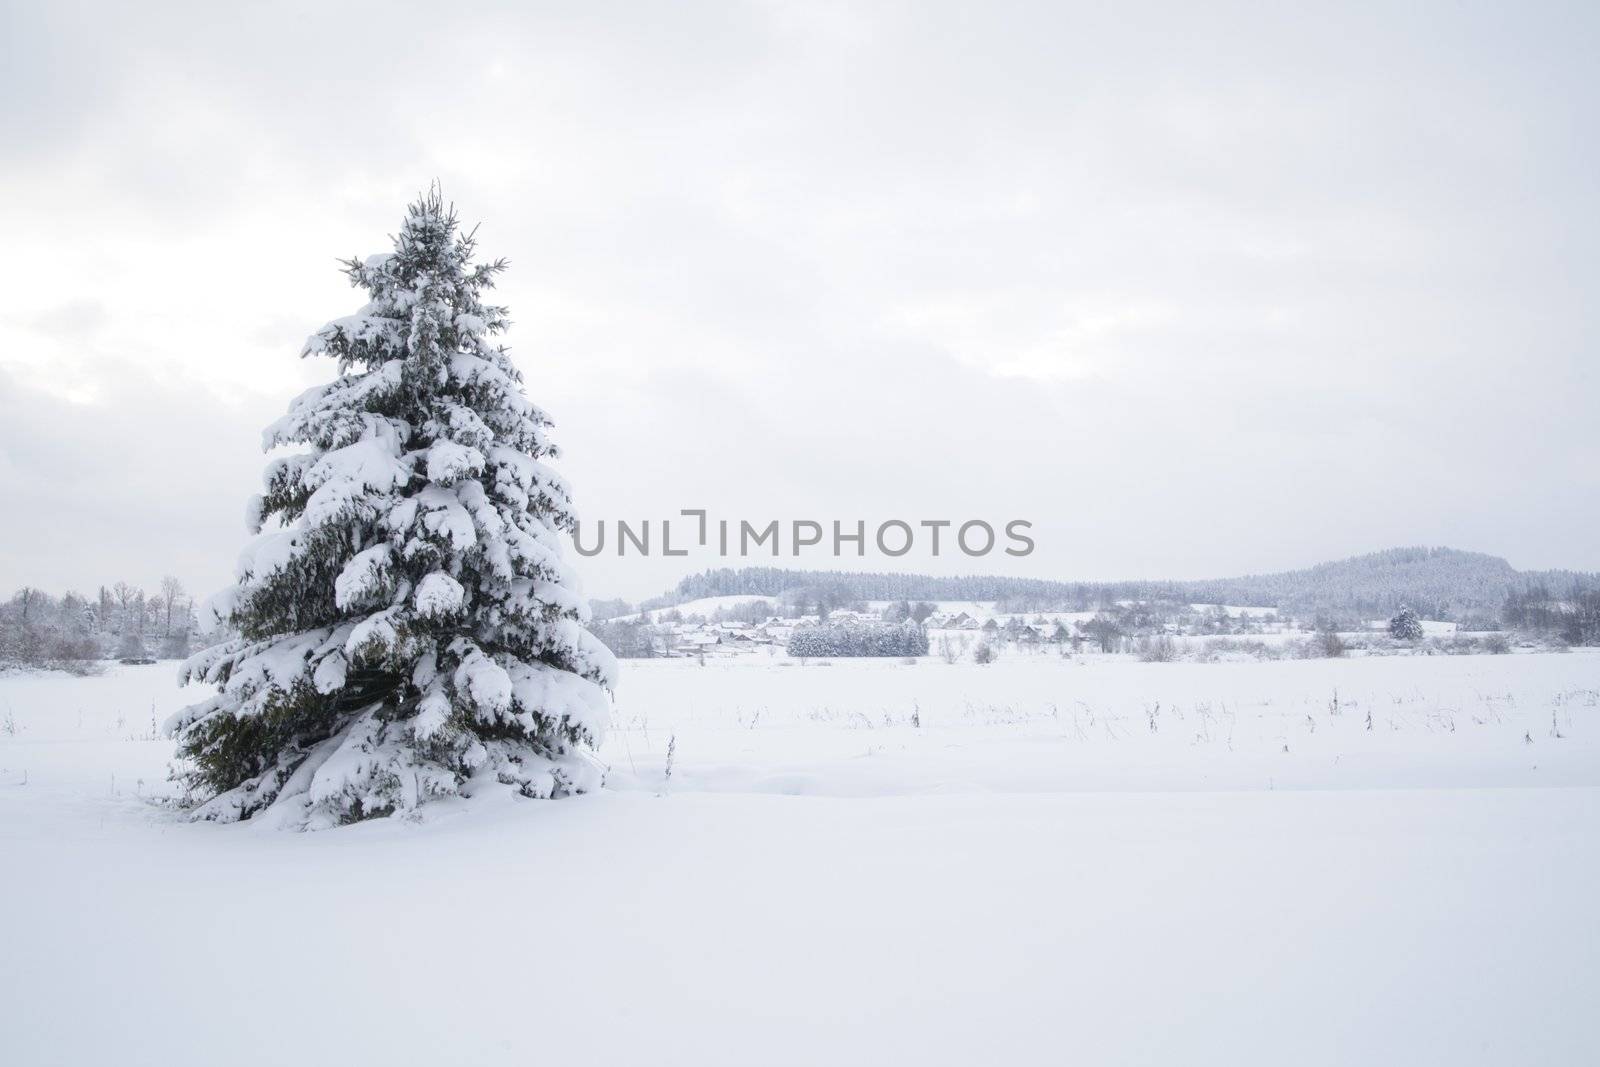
[[1197, 290]]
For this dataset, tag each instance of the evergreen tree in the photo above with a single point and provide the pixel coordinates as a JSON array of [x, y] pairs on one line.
[[408, 626], [1405, 626]]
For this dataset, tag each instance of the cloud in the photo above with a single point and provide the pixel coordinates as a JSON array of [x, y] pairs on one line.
[[147, 482], [1198, 291]]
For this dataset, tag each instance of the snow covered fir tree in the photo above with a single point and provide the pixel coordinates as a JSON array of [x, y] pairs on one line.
[[408, 626]]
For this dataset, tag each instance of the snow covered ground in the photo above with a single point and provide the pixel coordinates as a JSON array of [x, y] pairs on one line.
[[1038, 861]]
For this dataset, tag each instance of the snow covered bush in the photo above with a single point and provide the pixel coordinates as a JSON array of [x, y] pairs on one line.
[[1158, 649], [408, 626], [1328, 645], [859, 639], [132, 647], [1405, 626]]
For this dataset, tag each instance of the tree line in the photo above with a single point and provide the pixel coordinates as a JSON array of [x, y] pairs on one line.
[[120, 621], [859, 639], [1574, 617]]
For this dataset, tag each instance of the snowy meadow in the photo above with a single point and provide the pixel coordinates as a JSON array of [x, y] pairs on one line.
[[1385, 860]]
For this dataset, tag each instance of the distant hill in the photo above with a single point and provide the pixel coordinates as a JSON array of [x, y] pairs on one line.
[[1439, 582], [1442, 582]]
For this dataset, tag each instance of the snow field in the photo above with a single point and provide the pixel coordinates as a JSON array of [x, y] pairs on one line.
[[825, 881]]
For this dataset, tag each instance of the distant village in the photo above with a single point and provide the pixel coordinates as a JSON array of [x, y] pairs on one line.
[[733, 626]]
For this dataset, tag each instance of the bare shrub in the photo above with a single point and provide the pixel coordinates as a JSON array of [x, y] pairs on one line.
[[1324, 644], [951, 647]]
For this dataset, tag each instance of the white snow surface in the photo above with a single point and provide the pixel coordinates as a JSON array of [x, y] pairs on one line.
[[439, 594], [1040, 861]]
